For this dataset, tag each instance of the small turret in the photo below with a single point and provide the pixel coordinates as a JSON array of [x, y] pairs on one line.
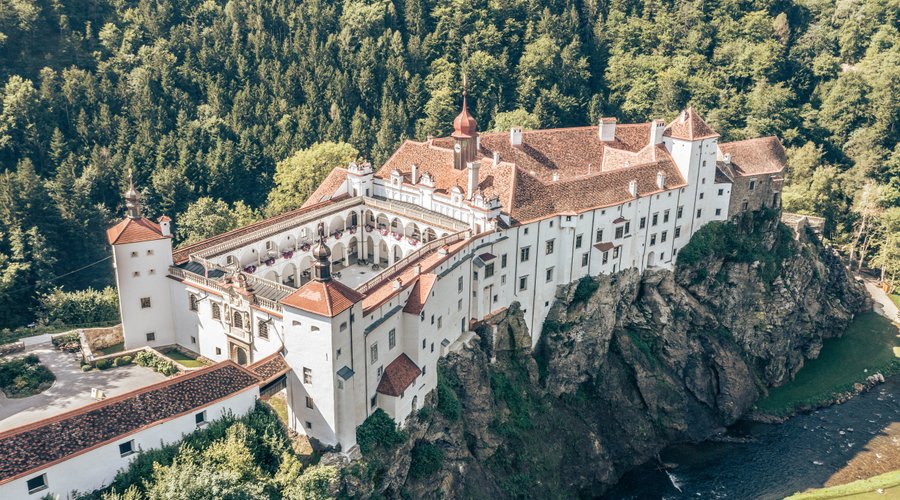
[[132, 200], [322, 256]]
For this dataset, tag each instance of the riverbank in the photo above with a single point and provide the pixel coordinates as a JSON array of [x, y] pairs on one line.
[[883, 485], [869, 347]]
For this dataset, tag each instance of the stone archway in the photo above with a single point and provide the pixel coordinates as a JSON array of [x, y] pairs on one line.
[[651, 259], [239, 355]]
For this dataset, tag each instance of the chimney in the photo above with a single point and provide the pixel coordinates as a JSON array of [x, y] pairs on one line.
[[417, 269], [496, 158], [728, 158], [632, 188], [555, 176], [397, 283], [684, 116], [165, 225], [661, 179], [515, 136], [473, 179], [657, 127], [607, 129], [415, 174]]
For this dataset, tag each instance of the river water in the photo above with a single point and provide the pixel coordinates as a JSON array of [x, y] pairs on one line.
[[780, 459]]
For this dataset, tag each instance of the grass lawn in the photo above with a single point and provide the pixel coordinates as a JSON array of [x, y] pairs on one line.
[[113, 348], [895, 298], [184, 359], [863, 489], [870, 343]]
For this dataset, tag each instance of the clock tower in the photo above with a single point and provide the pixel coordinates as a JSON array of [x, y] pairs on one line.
[[465, 137]]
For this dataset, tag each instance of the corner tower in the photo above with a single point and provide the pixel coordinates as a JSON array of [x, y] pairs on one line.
[[142, 254]]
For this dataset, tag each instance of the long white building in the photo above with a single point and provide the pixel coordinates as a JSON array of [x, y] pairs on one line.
[[415, 252]]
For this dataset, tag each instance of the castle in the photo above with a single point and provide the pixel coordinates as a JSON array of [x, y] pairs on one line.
[[348, 302], [381, 271]]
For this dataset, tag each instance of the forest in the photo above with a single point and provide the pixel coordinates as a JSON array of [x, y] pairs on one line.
[[227, 111]]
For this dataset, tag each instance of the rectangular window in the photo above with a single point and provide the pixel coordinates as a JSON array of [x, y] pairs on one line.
[[151, 336], [459, 285], [627, 228], [193, 340], [578, 241], [523, 283], [620, 231], [307, 375], [653, 239], [599, 236], [699, 212], [126, 448], [524, 254], [475, 275], [459, 304], [526, 230], [752, 184], [680, 212], [655, 219], [701, 195], [606, 256], [549, 274], [440, 321], [200, 418], [616, 252], [664, 236], [503, 261], [666, 216], [584, 259], [343, 326], [392, 338], [503, 279], [373, 401], [489, 270], [549, 249], [262, 329], [718, 211], [309, 402], [216, 311], [642, 223], [145, 302], [744, 205], [721, 191], [677, 231], [373, 353], [37, 483], [218, 351]]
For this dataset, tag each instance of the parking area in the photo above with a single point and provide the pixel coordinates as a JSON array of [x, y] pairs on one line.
[[72, 388]]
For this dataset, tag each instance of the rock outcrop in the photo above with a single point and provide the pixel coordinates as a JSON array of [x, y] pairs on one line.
[[627, 365]]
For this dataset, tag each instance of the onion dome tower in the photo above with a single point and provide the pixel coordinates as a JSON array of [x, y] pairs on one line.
[[132, 200], [465, 137], [322, 256]]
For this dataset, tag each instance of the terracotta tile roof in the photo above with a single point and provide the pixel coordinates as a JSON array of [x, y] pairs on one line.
[[554, 171], [325, 298], [419, 294], [181, 254], [690, 127], [270, 368], [326, 189], [722, 176], [398, 376], [763, 155], [134, 231], [38, 445]]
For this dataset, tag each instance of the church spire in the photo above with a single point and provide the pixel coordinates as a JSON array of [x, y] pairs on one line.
[[322, 256], [132, 200]]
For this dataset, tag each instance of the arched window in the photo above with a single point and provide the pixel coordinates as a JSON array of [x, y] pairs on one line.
[[238, 320], [192, 302], [314, 329], [216, 311]]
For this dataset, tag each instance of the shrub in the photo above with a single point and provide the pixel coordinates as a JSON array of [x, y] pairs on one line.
[[448, 403], [125, 360], [145, 358], [68, 343], [378, 431], [82, 307], [586, 287], [426, 459], [25, 376], [86, 368], [103, 364]]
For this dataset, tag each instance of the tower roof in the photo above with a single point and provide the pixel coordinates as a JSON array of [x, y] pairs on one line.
[[134, 231], [464, 126], [325, 298], [689, 126], [398, 376]]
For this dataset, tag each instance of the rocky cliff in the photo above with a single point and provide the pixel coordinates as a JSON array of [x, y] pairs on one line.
[[627, 365]]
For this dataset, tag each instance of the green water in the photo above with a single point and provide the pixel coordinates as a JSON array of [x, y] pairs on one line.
[[871, 344]]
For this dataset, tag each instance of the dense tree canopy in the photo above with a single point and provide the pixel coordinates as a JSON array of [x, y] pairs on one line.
[[205, 98]]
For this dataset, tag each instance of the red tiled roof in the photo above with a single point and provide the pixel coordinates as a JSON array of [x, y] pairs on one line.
[[270, 368], [763, 155], [326, 189], [398, 376], [325, 298], [41, 444], [619, 220], [134, 231], [419, 294], [690, 127]]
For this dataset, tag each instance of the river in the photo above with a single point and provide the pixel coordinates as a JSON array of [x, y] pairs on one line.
[[859, 436]]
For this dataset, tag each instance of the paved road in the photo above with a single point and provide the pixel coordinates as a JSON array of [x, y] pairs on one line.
[[883, 304], [72, 388]]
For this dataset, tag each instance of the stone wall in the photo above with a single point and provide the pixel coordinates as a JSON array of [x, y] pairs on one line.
[[762, 195], [101, 338]]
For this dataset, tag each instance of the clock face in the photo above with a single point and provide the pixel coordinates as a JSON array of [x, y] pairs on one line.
[[457, 148]]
